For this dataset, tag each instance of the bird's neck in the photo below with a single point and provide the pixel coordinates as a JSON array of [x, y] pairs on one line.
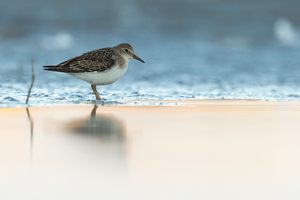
[[122, 61]]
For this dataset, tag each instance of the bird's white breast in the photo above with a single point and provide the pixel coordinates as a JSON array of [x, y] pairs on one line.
[[102, 78]]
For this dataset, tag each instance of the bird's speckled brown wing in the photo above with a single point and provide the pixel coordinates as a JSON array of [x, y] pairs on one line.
[[99, 60]]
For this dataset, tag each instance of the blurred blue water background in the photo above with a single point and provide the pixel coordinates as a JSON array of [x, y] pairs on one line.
[[194, 49]]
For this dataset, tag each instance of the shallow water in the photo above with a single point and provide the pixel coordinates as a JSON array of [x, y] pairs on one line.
[[192, 49], [205, 150]]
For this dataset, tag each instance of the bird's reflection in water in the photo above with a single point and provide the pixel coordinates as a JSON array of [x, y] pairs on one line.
[[103, 127], [101, 135]]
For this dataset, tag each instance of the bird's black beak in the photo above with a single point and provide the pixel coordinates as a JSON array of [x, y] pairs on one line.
[[137, 58]]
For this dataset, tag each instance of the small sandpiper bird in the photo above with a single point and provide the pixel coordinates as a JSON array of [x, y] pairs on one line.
[[98, 67]]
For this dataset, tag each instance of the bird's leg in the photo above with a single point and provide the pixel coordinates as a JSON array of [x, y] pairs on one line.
[[96, 92]]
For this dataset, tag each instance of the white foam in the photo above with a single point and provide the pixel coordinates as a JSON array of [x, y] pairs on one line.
[[286, 33]]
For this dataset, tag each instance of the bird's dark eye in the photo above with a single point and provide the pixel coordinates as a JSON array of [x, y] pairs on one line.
[[126, 50]]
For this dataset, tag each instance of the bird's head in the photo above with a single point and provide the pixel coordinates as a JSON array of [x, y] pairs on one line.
[[126, 50]]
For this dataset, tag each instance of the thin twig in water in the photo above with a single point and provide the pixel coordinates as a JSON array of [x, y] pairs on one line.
[[27, 109], [32, 81]]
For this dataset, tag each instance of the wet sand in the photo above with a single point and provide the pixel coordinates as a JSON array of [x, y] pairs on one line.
[[198, 149]]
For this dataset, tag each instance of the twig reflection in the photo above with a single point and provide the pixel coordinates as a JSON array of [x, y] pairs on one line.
[[31, 131]]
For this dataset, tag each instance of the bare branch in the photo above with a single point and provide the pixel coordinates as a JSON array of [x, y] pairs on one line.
[[32, 81]]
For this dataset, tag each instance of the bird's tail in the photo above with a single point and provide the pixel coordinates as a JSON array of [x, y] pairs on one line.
[[50, 67]]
